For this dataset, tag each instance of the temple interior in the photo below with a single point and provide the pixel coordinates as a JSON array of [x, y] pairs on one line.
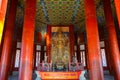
[[59, 40]]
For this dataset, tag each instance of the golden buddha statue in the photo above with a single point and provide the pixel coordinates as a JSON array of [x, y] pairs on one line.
[[60, 49]]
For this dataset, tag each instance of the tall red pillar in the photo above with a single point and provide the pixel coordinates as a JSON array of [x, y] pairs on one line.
[[108, 56], [34, 56], [78, 53], [26, 58], [13, 56], [42, 54], [112, 38], [71, 37], [94, 56], [117, 6], [48, 43], [8, 39], [87, 60], [3, 8]]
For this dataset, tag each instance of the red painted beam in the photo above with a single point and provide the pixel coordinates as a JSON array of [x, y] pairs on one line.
[[6, 51], [112, 38], [94, 57], [27, 49]]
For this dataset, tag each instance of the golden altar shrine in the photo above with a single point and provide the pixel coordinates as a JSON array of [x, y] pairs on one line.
[[60, 67]]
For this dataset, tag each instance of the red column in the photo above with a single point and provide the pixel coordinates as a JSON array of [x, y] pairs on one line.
[[108, 56], [6, 52], [117, 5], [3, 8], [118, 38], [86, 57], [39, 37], [26, 58], [42, 54], [34, 56], [71, 37], [13, 55], [87, 60], [112, 38], [95, 63], [78, 53], [48, 42]]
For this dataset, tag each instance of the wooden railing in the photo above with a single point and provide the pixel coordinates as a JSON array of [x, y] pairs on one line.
[[48, 67]]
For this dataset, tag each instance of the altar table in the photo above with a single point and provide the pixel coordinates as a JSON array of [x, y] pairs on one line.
[[59, 75]]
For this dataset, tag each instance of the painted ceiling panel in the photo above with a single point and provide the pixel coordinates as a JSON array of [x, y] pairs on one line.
[[61, 12], [19, 16], [80, 16], [40, 17]]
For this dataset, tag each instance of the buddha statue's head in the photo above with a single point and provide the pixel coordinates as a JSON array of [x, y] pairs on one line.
[[59, 33], [60, 39]]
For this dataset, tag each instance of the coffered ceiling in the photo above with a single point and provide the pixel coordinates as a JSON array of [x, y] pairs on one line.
[[61, 12]]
